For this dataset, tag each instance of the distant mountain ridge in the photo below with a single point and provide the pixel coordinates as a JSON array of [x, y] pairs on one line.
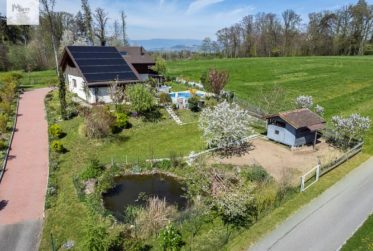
[[168, 44]]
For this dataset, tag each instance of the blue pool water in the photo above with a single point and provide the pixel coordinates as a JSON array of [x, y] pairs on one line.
[[185, 95]]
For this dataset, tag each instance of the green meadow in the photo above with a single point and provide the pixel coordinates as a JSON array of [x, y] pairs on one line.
[[343, 85]]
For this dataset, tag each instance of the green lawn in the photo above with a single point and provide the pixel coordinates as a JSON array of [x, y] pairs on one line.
[[343, 85], [145, 140], [36, 79], [362, 240]]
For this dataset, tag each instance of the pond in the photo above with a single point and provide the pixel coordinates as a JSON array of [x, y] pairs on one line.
[[130, 190]]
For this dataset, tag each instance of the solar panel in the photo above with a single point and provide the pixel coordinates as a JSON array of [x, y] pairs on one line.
[[101, 64]]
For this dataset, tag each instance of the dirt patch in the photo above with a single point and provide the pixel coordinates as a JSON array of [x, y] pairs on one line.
[[280, 160]]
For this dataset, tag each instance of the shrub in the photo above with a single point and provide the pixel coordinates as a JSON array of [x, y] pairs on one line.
[[3, 122], [130, 213], [164, 98], [6, 107], [256, 173], [56, 131], [193, 103], [171, 239], [99, 122], [141, 98], [57, 147], [93, 170], [121, 120], [211, 102], [154, 217], [3, 145]]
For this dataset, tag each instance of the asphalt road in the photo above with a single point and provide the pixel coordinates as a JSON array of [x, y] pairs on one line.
[[20, 236], [329, 220]]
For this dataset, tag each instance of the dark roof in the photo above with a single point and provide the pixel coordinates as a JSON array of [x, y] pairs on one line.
[[136, 55], [100, 64], [302, 118]]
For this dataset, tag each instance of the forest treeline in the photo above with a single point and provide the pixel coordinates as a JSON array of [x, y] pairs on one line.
[[345, 31], [39, 47]]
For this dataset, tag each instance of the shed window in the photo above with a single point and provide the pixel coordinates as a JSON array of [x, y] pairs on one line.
[[277, 132], [74, 83]]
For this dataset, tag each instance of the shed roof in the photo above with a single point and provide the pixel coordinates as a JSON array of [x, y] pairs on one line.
[[302, 118], [99, 64], [136, 55]]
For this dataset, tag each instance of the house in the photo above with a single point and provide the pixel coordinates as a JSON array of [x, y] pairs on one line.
[[295, 128], [139, 59], [89, 70]]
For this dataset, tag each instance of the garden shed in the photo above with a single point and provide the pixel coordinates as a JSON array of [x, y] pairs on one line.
[[295, 128]]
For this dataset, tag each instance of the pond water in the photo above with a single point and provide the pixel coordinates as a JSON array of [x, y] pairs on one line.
[[130, 189]]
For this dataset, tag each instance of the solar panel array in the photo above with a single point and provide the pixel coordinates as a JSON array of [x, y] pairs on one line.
[[101, 64]]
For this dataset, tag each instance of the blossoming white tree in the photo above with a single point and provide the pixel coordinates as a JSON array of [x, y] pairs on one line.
[[320, 110], [351, 127], [225, 126], [304, 102]]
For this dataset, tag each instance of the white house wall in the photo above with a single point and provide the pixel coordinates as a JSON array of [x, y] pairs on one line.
[[79, 88], [97, 94]]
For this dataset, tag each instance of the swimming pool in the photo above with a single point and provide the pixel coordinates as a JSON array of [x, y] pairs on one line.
[[180, 99], [185, 94]]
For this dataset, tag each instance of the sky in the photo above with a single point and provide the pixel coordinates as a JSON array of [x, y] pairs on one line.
[[191, 19]]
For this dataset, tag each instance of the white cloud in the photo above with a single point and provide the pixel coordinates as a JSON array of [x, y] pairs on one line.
[[198, 5]]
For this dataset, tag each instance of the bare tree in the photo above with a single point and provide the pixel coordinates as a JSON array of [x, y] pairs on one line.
[[291, 28], [88, 21], [48, 9], [101, 18], [124, 27]]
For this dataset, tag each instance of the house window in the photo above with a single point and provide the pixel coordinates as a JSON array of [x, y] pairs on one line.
[[277, 132], [74, 83]]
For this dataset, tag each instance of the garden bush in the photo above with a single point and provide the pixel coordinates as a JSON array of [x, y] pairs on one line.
[[3, 145], [99, 122], [164, 99], [121, 120], [194, 103], [171, 239], [141, 98], [154, 217], [56, 131], [3, 122], [57, 147], [256, 174], [6, 107], [211, 102], [93, 170]]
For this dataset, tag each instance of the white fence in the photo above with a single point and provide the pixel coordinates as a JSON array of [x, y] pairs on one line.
[[304, 179], [321, 170]]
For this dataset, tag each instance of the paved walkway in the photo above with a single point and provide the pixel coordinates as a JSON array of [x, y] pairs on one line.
[[329, 220], [23, 188]]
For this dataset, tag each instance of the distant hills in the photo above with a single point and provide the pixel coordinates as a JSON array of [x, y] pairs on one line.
[[168, 44]]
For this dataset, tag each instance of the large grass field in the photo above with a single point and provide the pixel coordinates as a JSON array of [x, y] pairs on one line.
[[343, 85]]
